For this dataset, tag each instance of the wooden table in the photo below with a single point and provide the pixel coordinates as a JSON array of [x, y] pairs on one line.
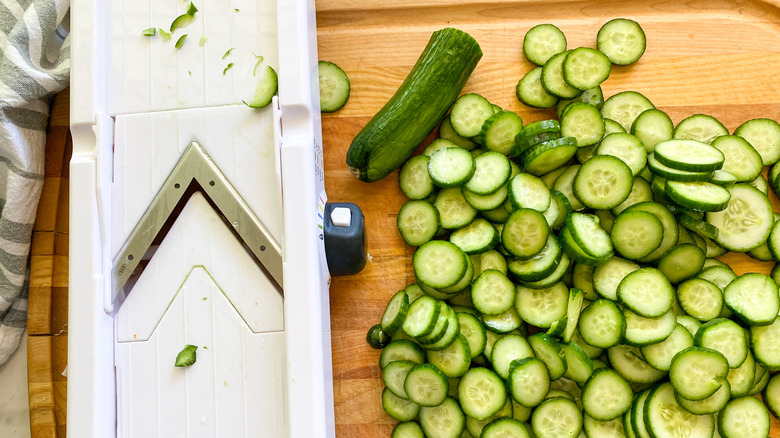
[[715, 57]]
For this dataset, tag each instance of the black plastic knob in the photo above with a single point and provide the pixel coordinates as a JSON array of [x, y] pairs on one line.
[[345, 238]]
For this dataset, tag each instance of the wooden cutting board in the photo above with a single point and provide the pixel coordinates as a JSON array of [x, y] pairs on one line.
[[715, 57], [47, 316]]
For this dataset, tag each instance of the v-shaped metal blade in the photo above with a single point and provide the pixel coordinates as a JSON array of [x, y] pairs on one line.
[[195, 164]]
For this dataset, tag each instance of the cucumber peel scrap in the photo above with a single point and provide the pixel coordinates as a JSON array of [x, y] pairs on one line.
[[184, 19], [267, 85], [186, 357], [181, 21], [257, 64], [180, 41]]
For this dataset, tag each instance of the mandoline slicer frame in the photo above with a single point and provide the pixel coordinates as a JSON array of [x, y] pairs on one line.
[[137, 104]]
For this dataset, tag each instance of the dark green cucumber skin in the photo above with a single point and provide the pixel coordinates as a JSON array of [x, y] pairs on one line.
[[417, 107]]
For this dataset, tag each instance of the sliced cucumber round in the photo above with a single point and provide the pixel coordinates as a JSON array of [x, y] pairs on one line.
[[671, 230], [603, 182], [528, 191], [407, 429], [395, 312], [401, 349], [726, 337], [414, 179], [689, 155], [588, 235], [624, 107], [525, 233], [697, 373], [499, 131], [584, 122], [708, 405], [469, 113], [398, 408], [539, 266], [505, 427], [702, 196], [440, 264], [645, 331], [700, 299], [549, 155], [474, 332], [548, 126], [753, 297], [744, 417], [607, 276], [542, 42], [528, 381], [652, 127], [481, 393], [553, 80], [606, 395], [636, 234], [602, 324], [559, 417], [394, 376], [451, 167], [454, 210], [682, 262], [418, 222], [585, 68], [485, 203], [453, 360], [542, 307], [492, 292], [662, 413], [661, 354], [549, 351], [659, 169], [700, 127], [763, 340], [422, 317], [741, 158], [444, 420], [622, 40], [476, 237], [746, 221], [529, 90], [764, 135], [334, 86], [627, 147], [491, 172], [426, 385], [646, 292]]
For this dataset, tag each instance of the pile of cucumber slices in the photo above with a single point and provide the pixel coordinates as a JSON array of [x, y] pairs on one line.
[[567, 280]]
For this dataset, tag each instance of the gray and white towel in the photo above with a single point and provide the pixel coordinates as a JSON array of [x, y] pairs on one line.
[[34, 64]]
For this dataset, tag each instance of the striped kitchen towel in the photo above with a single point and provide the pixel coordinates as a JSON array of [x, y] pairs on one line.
[[34, 64]]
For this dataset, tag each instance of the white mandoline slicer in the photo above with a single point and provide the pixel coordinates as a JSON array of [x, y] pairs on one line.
[[198, 220]]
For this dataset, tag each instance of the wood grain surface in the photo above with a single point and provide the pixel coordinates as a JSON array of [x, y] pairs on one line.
[[715, 57], [47, 316]]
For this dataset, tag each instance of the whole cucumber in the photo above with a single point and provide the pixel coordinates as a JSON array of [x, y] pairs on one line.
[[417, 107]]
